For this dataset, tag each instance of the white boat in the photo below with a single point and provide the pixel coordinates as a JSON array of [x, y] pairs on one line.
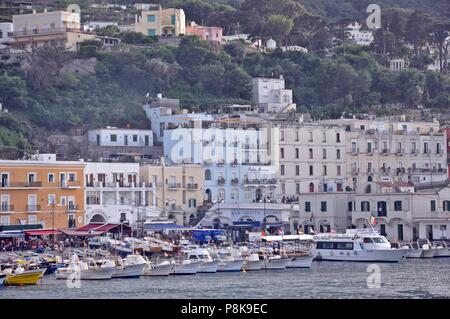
[[84, 271], [229, 260], [163, 268], [442, 249], [129, 267], [428, 249], [252, 262], [300, 261], [202, 256], [364, 245], [411, 251], [185, 267], [276, 262]]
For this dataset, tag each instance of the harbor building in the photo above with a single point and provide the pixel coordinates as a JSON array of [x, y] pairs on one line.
[[43, 191], [115, 194], [271, 96], [312, 158], [161, 22], [176, 190], [239, 164]]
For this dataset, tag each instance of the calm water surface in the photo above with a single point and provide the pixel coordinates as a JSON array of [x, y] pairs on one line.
[[423, 278]]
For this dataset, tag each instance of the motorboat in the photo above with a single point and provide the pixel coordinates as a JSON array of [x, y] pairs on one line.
[[252, 262], [442, 249], [163, 268], [229, 260], [185, 267], [411, 250], [300, 260], [202, 256], [129, 267], [428, 250], [364, 244], [275, 262], [19, 276], [92, 270]]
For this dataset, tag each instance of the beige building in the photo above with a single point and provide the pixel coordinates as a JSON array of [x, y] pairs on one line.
[[161, 22], [175, 189], [54, 28]]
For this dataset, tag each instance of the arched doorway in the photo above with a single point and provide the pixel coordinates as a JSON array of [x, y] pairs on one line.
[[207, 175], [311, 187], [208, 194], [98, 218], [192, 219], [258, 194]]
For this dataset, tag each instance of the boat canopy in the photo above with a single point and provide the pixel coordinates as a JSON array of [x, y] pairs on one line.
[[42, 232], [288, 237], [11, 234]]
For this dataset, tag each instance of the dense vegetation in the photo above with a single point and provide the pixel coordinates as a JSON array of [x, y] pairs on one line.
[[334, 77]]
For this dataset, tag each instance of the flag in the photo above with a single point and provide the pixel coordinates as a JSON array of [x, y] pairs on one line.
[[263, 234], [373, 221]]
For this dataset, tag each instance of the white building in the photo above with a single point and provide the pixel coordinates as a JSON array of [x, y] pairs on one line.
[[271, 96], [358, 36], [114, 194], [6, 32], [113, 136], [97, 25], [239, 164]]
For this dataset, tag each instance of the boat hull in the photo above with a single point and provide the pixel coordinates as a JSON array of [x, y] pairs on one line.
[[129, 271], [90, 274], [2, 280], [429, 253], [276, 264], [208, 267], [30, 277], [158, 270], [391, 255], [252, 265], [301, 262], [230, 266], [185, 269], [414, 253], [442, 252]]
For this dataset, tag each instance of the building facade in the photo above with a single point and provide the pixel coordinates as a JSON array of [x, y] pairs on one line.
[[211, 34], [42, 191], [161, 22], [271, 96]]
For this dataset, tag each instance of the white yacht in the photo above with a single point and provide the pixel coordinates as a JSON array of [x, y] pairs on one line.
[[129, 267], [185, 267], [428, 249], [163, 268], [276, 262], [442, 249], [299, 260], [202, 256], [84, 271], [411, 250], [356, 245], [229, 260]]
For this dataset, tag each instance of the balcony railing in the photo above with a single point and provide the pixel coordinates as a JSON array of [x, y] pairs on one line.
[[33, 208], [22, 184], [234, 181], [221, 181], [260, 181], [174, 185], [69, 184], [43, 31], [72, 207], [192, 186], [6, 208]]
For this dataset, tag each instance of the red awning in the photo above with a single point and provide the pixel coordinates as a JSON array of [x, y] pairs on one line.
[[102, 227], [73, 232], [42, 232]]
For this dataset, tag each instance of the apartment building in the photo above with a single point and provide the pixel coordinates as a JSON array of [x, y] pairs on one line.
[[175, 190], [239, 165], [211, 34], [42, 191], [115, 194], [55, 28], [312, 158], [271, 96], [161, 22]]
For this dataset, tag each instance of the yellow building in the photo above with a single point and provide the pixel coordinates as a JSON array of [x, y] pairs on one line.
[[177, 190], [42, 191], [54, 28], [161, 22]]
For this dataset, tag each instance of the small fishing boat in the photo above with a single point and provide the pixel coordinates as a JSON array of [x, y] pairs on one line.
[[442, 250], [252, 262], [229, 260], [101, 270], [428, 249], [412, 250], [129, 267], [300, 260], [276, 262], [163, 268], [201, 255], [185, 267], [23, 277]]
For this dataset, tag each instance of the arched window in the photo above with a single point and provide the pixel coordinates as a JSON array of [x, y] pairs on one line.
[[234, 194], [311, 187], [370, 179], [369, 188], [221, 195], [365, 206], [207, 175]]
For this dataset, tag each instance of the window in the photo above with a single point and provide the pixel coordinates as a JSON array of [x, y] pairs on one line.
[[296, 136], [297, 153], [400, 232], [438, 148], [4, 220], [151, 32], [446, 205], [311, 187], [282, 169], [135, 138], [413, 147], [324, 170], [297, 188], [338, 170], [365, 206], [283, 188], [324, 153], [51, 199], [52, 25], [282, 152], [369, 167], [338, 154], [311, 170], [311, 154], [425, 147], [324, 137], [354, 149], [398, 205], [369, 147], [323, 206], [307, 207], [399, 147], [113, 138], [32, 219], [350, 206], [382, 229], [151, 18], [147, 140], [173, 19], [51, 178], [382, 208], [310, 136], [72, 177], [207, 175], [297, 170], [433, 205], [281, 135], [338, 137]]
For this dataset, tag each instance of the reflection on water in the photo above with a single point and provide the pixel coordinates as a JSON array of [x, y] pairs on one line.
[[424, 278]]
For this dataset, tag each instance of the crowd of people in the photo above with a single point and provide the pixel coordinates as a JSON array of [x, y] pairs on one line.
[[39, 245]]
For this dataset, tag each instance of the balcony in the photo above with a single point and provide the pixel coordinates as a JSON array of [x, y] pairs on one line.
[[265, 181], [33, 208], [221, 181], [192, 186], [72, 207], [27, 33], [5, 208], [70, 184], [174, 186], [419, 171], [235, 181], [385, 152], [22, 185]]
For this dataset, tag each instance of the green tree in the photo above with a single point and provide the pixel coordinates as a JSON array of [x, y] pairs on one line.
[[278, 27]]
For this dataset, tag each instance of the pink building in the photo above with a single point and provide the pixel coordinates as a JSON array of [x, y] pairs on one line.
[[213, 34]]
